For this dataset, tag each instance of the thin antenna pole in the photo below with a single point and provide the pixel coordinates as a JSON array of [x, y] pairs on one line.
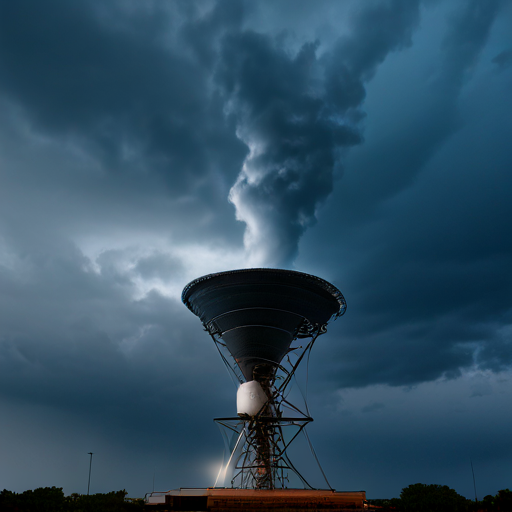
[[90, 466], [474, 483]]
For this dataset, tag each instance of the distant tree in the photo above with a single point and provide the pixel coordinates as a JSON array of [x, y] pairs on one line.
[[109, 502], [487, 503], [7, 500], [52, 499], [385, 504], [395, 503], [42, 499], [134, 504], [503, 500], [46, 499], [379, 503], [430, 498]]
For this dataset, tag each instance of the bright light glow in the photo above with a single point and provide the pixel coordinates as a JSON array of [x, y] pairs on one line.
[[214, 469], [221, 476]]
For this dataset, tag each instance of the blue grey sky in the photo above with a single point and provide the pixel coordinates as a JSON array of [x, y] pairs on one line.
[[144, 144]]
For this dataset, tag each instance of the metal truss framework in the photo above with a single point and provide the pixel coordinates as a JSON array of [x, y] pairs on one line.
[[257, 445]]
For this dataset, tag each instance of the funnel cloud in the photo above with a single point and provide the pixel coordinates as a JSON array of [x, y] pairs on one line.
[[298, 114]]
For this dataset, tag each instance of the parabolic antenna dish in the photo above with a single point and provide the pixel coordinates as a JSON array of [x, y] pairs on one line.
[[258, 312]]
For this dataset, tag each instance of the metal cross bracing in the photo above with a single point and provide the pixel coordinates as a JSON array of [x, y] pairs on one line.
[[258, 444], [259, 459]]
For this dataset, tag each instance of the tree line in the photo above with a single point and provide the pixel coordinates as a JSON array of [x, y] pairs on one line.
[[414, 498], [440, 498], [52, 499]]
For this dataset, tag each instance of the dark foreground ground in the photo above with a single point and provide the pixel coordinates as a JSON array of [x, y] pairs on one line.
[[414, 498]]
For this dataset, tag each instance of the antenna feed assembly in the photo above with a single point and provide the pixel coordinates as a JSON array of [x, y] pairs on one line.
[[253, 316]]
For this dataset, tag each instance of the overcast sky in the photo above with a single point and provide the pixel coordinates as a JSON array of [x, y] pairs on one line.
[[144, 144]]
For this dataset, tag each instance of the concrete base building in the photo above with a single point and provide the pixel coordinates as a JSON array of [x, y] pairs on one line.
[[276, 500]]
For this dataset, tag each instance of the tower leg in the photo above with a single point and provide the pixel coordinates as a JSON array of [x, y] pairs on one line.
[[264, 431]]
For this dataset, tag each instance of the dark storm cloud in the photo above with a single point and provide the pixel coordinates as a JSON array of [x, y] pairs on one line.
[[376, 30], [297, 113], [104, 105], [107, 80], [436, 298], [74, 339], [400, 157], [431, 291], [125, 128], [415, 444]]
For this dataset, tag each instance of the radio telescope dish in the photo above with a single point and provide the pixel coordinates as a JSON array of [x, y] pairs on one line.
[[258, 312]]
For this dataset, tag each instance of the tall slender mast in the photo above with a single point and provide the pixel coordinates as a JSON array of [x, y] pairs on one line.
[[90, 467]]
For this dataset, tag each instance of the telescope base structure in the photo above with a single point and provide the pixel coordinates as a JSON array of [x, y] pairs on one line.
[[276, 500], [259, 459]]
